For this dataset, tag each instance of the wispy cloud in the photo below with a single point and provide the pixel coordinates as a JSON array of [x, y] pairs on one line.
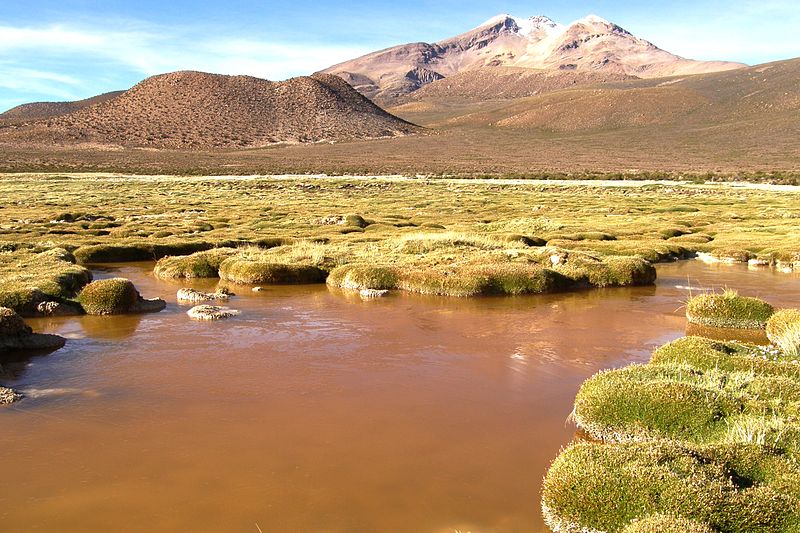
[[75, 56]]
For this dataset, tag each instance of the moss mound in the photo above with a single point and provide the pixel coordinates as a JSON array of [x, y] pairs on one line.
[[483, 280], [783, 330], [707, 431], [242, 270], [358, 277], [666, 523], [707, 354], [115, 296], [650, 402], [605, 487], [28, 278], [747, 399], [199, 265], [109, 297], [728, 310], [623, 271]]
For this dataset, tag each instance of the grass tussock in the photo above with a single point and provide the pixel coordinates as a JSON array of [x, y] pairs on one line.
[[28, 278], [728, 310], [199, 265], [783, 330], [707, 432], [108, 297], [728, 488]]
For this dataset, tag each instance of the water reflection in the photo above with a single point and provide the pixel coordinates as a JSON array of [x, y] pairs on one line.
[[753, 336]]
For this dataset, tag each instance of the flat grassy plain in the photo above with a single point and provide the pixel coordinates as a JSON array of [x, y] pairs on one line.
[[455, 237]]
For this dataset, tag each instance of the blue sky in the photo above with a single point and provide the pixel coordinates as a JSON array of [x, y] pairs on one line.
[[72, 49]]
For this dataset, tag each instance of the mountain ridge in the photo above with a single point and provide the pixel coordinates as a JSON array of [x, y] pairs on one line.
[[590, 44]]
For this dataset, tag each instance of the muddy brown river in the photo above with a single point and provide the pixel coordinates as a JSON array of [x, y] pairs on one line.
[[317, 411]]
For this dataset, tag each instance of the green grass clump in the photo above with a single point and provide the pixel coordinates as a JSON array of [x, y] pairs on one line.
[[731, 488], [666, 523], [610, 272], [483, 280], [649, 402], [28, 278], [728, 310], [108, 297], [686, 404], [199, 265], [137, 251], [707, 354], [783, 330], [359, 276], [707, 431], [247, 271], [731, 255]]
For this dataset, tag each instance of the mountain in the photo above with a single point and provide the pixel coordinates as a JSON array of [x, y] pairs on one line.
[[43, 110], [199, 110], [589, 45], [755, 106]]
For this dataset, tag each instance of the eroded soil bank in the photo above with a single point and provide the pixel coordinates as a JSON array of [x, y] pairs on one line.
[[316, 410]]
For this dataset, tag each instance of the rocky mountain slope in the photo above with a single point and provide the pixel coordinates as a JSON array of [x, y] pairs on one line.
[[590, 45], [198, 110]]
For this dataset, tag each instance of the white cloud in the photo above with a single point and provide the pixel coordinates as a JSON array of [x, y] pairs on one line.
[[151, 52], [66, 62]]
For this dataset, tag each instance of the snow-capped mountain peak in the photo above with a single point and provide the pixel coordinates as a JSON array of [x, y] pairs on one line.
[[589, 46], [525, 26], [591, 19]]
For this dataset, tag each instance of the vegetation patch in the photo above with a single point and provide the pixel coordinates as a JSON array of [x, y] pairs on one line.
[[728, 310], [360, 276], [249, 271], [199, 265], [666, 523], [783, 330], [707, 432], [115, 296], [28, 279], [729, 488], [679, 402]]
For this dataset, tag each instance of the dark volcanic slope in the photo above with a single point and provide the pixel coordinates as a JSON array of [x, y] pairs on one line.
[[45, 110], [199, 110]]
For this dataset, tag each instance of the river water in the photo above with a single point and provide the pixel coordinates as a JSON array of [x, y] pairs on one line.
[[317, 411]]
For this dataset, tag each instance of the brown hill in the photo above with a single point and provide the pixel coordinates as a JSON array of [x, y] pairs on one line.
[[44, 110], [493, 83], [764, 98], [590, 46], [199, 110]]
